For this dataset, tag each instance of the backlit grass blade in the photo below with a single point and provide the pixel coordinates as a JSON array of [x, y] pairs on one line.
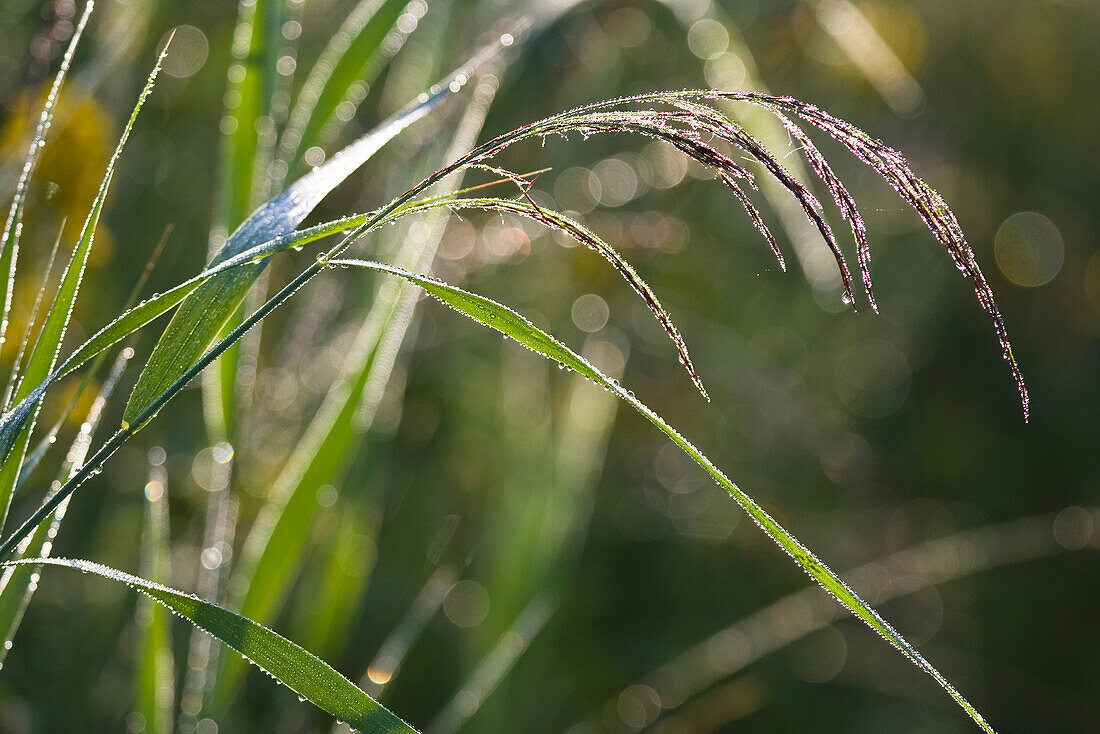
[[50, 437], [515, 326], [219, 528], [296, 668], [32, 321], [9, 240], [152, 308], [18, 584], [201, 317], [352, 59], [44, 355], [338, 576], [272, 553], [154, 679], [251, 77]]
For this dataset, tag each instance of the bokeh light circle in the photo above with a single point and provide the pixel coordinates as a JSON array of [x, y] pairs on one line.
[[1029, 249], [187, 53], [590, 313]]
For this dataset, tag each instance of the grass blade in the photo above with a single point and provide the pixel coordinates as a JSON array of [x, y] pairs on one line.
[[273, 549], [17, 363], [515, 326], [18, 584], [248, 140], [9, 241], [202, 316], [387, 662], [44, 355], [296, 668], [219, 528], [352, 59]]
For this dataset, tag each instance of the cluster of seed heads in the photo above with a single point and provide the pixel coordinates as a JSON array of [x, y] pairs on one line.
[[689, 121]]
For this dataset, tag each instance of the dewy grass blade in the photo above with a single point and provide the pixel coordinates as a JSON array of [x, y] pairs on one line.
[[201, 317], [513, 325], [145, 312], [9, 241], [296, 668], [273, 551], [17, 363], [387, 662], [44, 355], [18, 584], [50, 437]]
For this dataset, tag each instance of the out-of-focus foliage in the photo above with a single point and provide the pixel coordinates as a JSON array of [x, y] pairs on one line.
[[871, 434]]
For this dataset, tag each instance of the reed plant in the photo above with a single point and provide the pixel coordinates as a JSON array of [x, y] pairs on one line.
[[280, 537]]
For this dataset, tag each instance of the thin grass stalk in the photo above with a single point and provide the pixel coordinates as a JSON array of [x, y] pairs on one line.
[[218, 532], [48, 440], [47, 346], [391, 654], [32, 320], [9, 243]]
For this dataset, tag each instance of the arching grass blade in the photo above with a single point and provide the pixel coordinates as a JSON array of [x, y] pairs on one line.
[[511, 324], [201, 318], [18, 584], [296, 668]]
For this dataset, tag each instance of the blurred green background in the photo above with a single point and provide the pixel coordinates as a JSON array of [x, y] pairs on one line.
[[867, 435]]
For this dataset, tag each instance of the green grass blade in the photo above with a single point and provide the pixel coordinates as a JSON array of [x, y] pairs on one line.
[[202, 316], [145, 312], [272, 554], [296, 668], [18, 584], [338, 578], [251, 73], [154, 680], [248, 141], [9, 241], [219, 528], [515, 326], [17, 363], [44, 355], [352, 59]]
